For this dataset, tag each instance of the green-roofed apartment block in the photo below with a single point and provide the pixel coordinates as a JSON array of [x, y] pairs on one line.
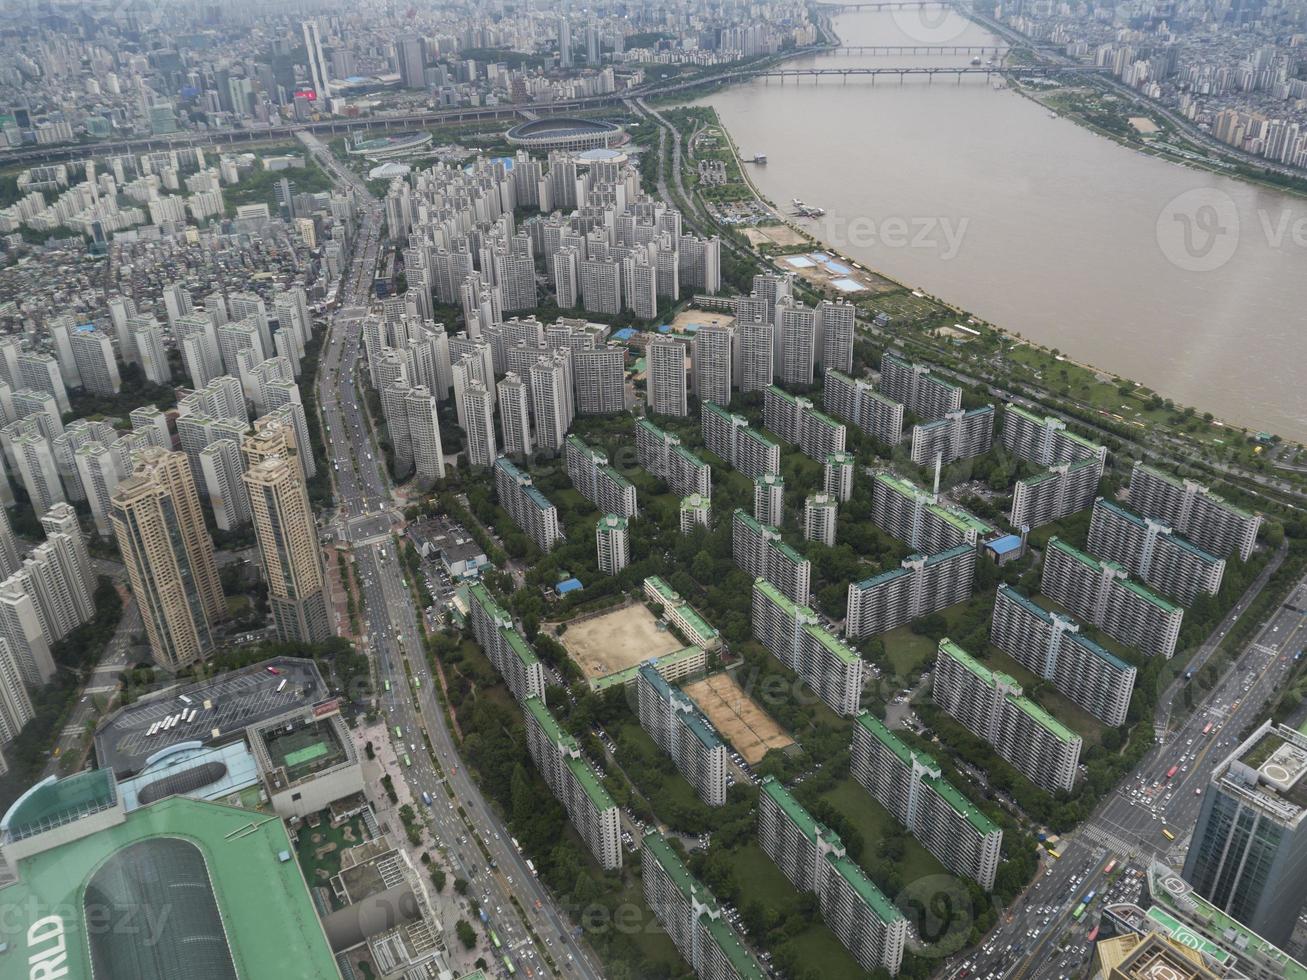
[[910, 786], [693, 627], [993, 706], [813, 858], [575, 784], [1102, 594], [794, 635], [691, 915]]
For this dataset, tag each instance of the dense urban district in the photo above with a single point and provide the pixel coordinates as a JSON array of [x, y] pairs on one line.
[[454, 527]]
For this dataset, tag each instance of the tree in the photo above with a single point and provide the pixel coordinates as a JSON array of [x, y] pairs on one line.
[[438, 877], [466, 934], [460, 886]]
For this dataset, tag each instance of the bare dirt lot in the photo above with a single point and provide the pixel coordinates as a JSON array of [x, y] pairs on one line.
[[782, 235], [746, 726], [617, 640], [699, 318]]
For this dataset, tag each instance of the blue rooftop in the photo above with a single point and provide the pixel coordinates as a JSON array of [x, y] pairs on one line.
[[626, 333], [1004, 545], [568, 585], [665, 328]]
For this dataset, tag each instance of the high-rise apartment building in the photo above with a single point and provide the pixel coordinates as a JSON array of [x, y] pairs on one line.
[[921, 585], [612, 543], [820, 513], [691, 916], [769, 499], [665, 375], [147, 340], [1051, 646], [921, 392], [795, 420], [760, 552], [662, 454], [318, 71], [597, 481], [860, 404], [288, 545], [528, 507], [681, 730], [1212, 523], [756, 343], [695, 511], [1046, 441], [599, 377], [169, 557], [963, 434], [1102, 594], [1153, 553], [575, 784], [814, 860], [551, 401], [714, 363], [92, 351], [38, 471], [516, 662], [836, 322], [993, 706], [793, 634], [910, 786], [422, 414], [479, 424], [1060, 491], [922, 522], [730, 437], [837, 476], [515, 415]]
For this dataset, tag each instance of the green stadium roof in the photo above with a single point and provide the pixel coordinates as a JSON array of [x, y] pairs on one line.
[[52, 802], [260, 902]]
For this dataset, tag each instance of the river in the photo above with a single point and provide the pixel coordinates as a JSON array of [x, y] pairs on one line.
[[1191, 283]]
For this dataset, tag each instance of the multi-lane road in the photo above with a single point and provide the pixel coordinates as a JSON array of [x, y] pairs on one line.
[[477, 843], [1038, 938]]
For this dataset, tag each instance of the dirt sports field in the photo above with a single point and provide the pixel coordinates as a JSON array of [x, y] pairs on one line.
[[617, 640], [745, 725]]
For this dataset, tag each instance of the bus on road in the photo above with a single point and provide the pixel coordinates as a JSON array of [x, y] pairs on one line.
[[408, 763], [494, 938], [1111, 866], [508, 965], [1207, 729], [387, 687], [1080, 910], [1166, 832], [1172, 771], [1093, 934], [399, 732]]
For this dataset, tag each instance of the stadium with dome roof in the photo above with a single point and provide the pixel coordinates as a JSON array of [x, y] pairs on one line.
[[565, 133]]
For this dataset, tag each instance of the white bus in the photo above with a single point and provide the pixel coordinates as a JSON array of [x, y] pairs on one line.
[[153, 728], [281, 685], [184, 699]]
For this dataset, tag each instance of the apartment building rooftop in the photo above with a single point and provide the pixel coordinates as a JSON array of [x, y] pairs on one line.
[[549, 723], [876, 900], [520, 649], [692, 718], [795, 811], [1042, 718], [589, 782]]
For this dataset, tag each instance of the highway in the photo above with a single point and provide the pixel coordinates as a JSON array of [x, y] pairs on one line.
[[395, 643], [1128, 825]]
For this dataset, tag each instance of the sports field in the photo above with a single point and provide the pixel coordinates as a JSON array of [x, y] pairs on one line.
[[746, 726], [617, 640]]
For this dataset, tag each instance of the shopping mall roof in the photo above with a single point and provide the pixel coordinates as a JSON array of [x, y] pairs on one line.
[[164, 894]]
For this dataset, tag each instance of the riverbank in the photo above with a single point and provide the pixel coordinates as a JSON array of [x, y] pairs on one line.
[[948, 334]]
